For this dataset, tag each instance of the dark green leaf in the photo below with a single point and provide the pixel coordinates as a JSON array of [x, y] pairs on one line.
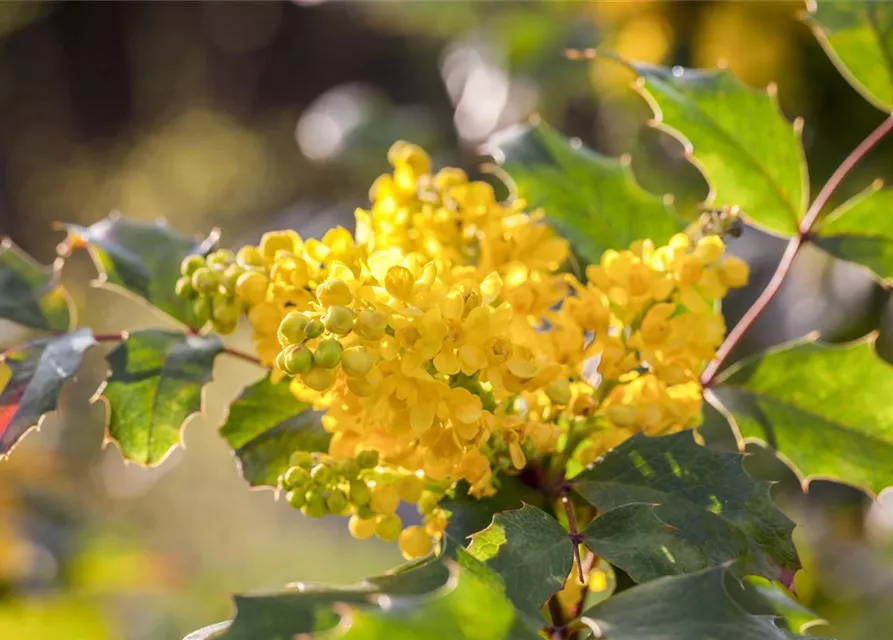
[[592, 199], [530, 551], [30, 293], [858, 37], [861, 230], [155, 383], [265, 425], [749, 153], [469, 515], [760, 596], [695, 606], [143, 259], [37, 372], [633, 538], [705, 494], [824, 407]]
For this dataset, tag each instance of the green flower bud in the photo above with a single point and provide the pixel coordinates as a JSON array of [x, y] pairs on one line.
[[360, 493], [350, 468], [184, 288], [389, 528], [249, 256], [205, 281], [365, 512], [332, 292], [367, 459], [339, 320], [303, 459], [336, 502], [321, 474], [327, 354], [220, 259], [295, 477], [202, 309], [191, 264], [291, 329], [226, 311], [315, 507], [295, 360], [230, 277], [314, 328], [371, 325], [357, 361], [319, 379], [296, 499]]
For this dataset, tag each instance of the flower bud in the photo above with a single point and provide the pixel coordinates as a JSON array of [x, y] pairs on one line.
[[327, 354], [334, 292], [414, 542], [252, 286], [361, 528], [184, 288], [296, 499], [190, 265], [314, 328], [359, 493], [220, 259], [230, 277], [205, 281], [371, 325], [291, 329], [303, 459], [388, 527], [295, 360], [339, 320], [336, 502], [295, 477], [385, 499], [319, 379], [226, 311], [399, 282], [367, 459], [249, 256], [202, 309], [321, 474], [357, 361], [315, 507], [410, 489], [559, 391]]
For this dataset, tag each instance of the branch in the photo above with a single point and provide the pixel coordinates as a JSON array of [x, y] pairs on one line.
[[247, 357], [794, 245], [573, 534]]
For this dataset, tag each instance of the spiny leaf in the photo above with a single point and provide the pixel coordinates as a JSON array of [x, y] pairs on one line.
[[693, 606], [530, 551], [37, 372], [749, 153], [858, 37], [706, 495], [265, 425], [155, 383], [143, 259], [592, 199], [469, 515], [30, 293], [861, 231], [824, 407], [633, 538]]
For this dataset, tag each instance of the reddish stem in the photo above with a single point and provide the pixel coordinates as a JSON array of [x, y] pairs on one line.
[[247, 357], [573, 533], [794, 245]]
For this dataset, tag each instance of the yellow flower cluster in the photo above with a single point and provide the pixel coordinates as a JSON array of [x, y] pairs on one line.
[[442, 336]]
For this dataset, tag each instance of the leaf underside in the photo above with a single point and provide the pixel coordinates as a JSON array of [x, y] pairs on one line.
[[29, 292]]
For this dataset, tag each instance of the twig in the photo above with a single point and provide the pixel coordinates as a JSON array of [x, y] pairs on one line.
[[787, 260], [573, 534], [247, 357]]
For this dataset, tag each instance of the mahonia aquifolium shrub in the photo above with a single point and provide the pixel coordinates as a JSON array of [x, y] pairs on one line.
[[445, 343]]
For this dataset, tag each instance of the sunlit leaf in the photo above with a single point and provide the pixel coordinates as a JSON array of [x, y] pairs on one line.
[[858, 37], [750, 154], [530, 551], [469, 515], [704, 494], [155, 383], [143, 259], [824, 407], [30, 293], [36, 373], [592, 199], [265, 425]]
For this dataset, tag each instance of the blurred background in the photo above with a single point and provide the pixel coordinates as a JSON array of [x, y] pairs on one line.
[[260, 115]]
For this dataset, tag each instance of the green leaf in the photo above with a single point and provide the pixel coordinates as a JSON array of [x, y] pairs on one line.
[[37, 372], [751, 156], [824, 407], [265, 425], [693, 606], [530, 551], [450, 597], [633, 538], [30, 293], [861, 231], [705, 494], [468, 515], [143, 259], [858, 37], [155, 383], [592, 199]]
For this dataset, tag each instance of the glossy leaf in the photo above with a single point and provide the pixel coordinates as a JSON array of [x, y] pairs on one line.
[[143, 259], [824, 407], [530, 551], [696, 605], [861, 231], [705, 494], [469, 515], [30, 293], [858, 37], [36, 374], [265, 425], [155, 384], [750, 154], [633, 538], [592, 199]]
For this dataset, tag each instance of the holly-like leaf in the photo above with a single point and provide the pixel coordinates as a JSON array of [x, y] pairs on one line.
[[265, 425], [30, 293], [143, 259], [468, 515], [36, 373], [155, 383], [826, 408], [750, 154], [633, 538], [858, 37], [861, 231], [450, 597], [592, 199], [688, 607], [705, 494], [530, 551]]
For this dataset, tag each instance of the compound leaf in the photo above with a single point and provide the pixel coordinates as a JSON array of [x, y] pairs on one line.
[[30, 293], [143, 259], [155, 383], [265, 425], [36, 373], [530, 551], [824, 407], [706, 495], [592, 199]]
